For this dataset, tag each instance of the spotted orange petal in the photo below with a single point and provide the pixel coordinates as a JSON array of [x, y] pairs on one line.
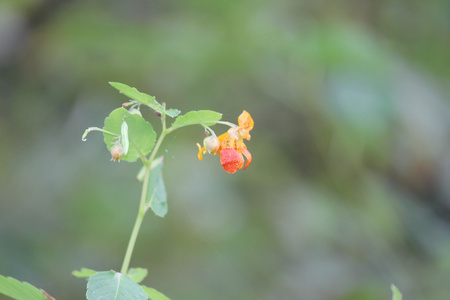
[[245, 121], [226, 141], [231, 160]]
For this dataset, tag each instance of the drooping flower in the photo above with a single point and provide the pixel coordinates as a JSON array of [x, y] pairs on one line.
[[231, 149], [116, 151]]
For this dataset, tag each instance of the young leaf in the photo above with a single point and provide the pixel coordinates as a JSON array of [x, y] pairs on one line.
[[137, 274], [124, 137], [157, 196], [113, 286], [140, 176], [141, 135], [154, 294], [83, 273], [144, 99], [205, 117], [396, 295], [172, 112], [20, 290], [134, 94]]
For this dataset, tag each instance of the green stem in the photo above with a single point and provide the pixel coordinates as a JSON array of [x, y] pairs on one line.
[[148, 164], [86, 132], [142, 206], [138, 222], [132, 242]]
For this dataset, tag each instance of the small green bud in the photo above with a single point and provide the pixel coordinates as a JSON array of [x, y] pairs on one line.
[[135, 111]]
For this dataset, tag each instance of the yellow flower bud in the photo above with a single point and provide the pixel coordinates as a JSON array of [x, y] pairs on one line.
[[212, 144]]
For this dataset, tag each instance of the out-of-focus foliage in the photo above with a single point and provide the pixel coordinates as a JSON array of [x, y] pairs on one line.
[[348, 189]]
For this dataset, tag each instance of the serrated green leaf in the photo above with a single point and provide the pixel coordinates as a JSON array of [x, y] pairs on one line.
[[140, 133], [124, 137], [144, 99], [20, 290], [396, 295], [83, 273], [113, 286], [154, 294], [205, 117], [157, 196], [134, 94], [137, 274]]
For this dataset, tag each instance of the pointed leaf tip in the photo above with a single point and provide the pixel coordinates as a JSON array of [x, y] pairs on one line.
[[83, 273], [144, 99], [154, 294], [204, 117], [16, 289], [137, 274], [396, 295]]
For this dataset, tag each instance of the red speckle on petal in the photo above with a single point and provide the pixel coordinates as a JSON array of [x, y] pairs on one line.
[[231, 160]]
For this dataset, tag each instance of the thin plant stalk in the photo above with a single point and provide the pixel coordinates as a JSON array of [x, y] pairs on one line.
[[142, 207]]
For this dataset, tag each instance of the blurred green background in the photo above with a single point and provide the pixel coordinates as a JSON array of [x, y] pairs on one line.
[[349, 187]]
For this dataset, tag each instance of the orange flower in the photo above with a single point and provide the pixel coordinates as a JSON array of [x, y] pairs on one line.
[[230, 145]]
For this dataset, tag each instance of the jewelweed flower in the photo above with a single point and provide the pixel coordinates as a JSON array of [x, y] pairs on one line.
[[230, 145]]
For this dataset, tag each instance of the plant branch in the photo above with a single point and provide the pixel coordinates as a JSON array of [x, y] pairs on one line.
[[142, 207]]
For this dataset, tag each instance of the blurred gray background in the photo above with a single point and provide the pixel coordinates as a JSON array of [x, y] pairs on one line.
[[349, 188]]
